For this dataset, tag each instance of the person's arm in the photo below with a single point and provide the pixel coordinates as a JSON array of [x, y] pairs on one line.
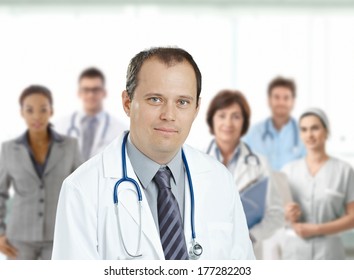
[[75, 235], [341, 224], [5, 181]]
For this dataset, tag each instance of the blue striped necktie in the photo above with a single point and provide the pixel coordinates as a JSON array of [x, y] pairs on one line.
[[170, 220]]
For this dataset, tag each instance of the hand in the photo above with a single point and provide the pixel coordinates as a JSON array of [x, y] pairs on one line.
[[292, 212], [6, 248], [305, 230]]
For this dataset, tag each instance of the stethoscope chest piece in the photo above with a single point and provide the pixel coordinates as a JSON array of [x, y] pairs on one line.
[[195, 251]]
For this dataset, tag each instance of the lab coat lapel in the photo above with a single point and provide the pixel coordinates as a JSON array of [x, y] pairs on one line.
[[187, 212], [241, 168], [148, 223], [113, 169], [244, 173]]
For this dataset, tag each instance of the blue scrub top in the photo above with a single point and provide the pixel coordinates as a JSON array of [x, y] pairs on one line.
[[279, 147]]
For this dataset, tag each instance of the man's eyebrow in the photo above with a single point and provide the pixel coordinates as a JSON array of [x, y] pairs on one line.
[[186, 97], [161, 95], [153, 94]]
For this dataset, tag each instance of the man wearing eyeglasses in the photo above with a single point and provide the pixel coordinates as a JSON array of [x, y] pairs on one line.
[[94, 127]]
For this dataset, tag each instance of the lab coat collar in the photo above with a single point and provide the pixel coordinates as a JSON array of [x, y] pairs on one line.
[[244, 172]]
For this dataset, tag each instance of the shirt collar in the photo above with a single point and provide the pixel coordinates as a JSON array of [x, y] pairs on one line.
[[83, 116], [145, 168], [235, 154], [272, 128]]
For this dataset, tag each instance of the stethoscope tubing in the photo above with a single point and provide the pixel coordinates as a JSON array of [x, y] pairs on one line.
[[126, 178], [74, 129], [250, 152], [267, 131]]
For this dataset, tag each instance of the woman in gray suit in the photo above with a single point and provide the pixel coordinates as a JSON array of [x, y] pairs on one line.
[[35, 164]]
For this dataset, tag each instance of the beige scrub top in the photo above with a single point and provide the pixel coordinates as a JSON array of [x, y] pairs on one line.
[[322, 199]]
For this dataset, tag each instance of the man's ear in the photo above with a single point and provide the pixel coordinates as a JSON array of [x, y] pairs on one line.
[[126, 102]]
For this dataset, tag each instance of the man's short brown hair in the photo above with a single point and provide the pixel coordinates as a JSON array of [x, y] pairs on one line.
[[282, 82]]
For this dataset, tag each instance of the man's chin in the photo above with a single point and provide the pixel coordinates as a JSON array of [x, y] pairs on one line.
[[281, 114]]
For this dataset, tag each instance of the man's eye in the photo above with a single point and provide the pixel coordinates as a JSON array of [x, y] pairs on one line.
[[155, 99], [184, 102]]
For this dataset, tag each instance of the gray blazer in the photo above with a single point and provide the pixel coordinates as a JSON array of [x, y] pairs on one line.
[[35, 201]]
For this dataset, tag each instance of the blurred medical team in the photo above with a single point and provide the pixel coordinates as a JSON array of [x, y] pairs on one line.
[[89, 187], [277, 137]]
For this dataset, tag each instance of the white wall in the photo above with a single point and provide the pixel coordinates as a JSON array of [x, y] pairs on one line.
[[234, 48]]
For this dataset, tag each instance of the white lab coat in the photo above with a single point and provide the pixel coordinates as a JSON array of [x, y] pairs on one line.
[[114, 129], [86, 223], [243, 175]]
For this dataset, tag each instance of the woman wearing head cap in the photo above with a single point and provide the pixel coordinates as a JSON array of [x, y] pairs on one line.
[[323, 196]]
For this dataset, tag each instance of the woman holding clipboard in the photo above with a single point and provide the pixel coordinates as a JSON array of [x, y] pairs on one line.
[[228, 118]]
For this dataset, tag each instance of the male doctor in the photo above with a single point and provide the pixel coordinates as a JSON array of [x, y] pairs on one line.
[[94, 127], [277, 137], [162, 100]]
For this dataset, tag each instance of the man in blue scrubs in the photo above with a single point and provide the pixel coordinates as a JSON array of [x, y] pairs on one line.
[[277, 137]]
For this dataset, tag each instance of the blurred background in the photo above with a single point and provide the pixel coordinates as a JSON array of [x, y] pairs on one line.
[[239, 44]]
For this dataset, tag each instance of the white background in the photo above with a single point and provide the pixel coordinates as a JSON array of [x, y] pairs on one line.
[[240, 48], [235, 48]]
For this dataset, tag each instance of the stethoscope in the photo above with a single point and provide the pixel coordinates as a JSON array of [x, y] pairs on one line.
[[74, 129], [267, 132], [196, 249], [250, 159]]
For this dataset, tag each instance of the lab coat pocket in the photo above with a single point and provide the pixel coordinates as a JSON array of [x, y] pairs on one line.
[[220, 240]]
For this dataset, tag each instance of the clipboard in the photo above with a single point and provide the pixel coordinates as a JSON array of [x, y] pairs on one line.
[[253, 198]]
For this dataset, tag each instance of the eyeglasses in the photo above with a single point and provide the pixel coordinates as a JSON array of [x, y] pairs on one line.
[[94, 90]]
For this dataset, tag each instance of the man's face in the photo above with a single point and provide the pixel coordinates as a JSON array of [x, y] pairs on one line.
[[281, 101], [163, 108], [92, 93]]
